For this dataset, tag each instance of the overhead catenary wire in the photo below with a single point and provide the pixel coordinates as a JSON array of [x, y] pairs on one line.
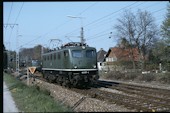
[[19, 13], [105, 16], [16, 20], [87, 8], [91, 22], [86, 25], [92, 37], [111, 14], [60, 25], [9, 17]]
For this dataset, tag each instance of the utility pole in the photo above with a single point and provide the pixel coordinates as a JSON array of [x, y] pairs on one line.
[[42, 51], [82, 36], [17, 53], [82, 40], [8, 55]]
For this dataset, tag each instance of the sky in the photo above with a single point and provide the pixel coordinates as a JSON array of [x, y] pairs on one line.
[[27, 24]]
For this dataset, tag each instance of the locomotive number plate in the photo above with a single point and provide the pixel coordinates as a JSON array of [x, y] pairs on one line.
[[85, 72]]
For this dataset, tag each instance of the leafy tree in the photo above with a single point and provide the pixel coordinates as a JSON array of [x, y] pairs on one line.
[[165, 31], [165, 27]]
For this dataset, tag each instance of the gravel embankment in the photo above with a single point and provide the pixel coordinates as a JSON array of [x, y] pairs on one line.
[[71, 99]]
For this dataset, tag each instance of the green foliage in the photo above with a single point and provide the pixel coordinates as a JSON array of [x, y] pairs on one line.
[[165, 27], [146, 77], [160, 53], [127, 64], [149, 77], [163, 77], [30, 99]]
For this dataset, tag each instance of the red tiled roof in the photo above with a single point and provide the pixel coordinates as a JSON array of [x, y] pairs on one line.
[[123, 54]]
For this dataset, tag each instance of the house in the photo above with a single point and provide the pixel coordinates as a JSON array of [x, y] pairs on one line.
[[120, 54], [100, 58]]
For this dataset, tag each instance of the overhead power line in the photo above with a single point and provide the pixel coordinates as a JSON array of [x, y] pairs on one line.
[[60, 25], [16, 19], [10, 13], [109, 14], [9, 17], [105, 16], [94, 36], [90, 22], [88, 8], [19, 12]]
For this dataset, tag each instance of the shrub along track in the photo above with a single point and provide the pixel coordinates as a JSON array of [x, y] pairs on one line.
[[140, 98]]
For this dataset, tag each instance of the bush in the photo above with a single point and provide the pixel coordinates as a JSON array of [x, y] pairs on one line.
[[163, 77], [130, 76], [117, 75], [112, 75], [146, 77]]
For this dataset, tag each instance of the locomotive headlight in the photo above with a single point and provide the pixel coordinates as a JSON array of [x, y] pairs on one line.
[[83, 47], [75, 67], [94, 66]]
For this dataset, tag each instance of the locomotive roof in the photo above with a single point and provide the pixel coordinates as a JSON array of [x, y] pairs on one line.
[[70, 46]]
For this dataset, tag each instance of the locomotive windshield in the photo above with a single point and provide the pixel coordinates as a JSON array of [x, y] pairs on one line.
[[90, 53], [35, 63], [80, 53], [77, 53]]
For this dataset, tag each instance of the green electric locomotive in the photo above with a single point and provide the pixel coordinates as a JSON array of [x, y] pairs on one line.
[[73, 64]]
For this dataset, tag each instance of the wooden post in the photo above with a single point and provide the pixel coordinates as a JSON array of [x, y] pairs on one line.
[[27, 76]]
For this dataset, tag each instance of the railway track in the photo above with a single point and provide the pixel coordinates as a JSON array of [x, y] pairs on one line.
[[155, 99], [131, 99], [135, 97]]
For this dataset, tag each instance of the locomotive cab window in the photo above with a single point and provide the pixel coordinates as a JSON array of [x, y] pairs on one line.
[[65, 53], [77, 53], [48, 57], [44, 58], [58, 55], [54, 56], [90, 53], [51, 57]]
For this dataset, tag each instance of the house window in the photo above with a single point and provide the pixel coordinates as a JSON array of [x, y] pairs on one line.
[[107, 59]]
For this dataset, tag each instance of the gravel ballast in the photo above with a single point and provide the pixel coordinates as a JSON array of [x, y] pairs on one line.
[[77, 101]]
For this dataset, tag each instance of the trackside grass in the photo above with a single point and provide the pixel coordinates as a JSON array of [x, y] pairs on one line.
[[30, 99]]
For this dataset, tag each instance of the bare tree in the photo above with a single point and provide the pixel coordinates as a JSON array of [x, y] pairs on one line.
[[139, 30]]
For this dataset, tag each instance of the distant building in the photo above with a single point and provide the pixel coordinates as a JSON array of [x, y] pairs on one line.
[[121, 54], [100, 58], [117, 54]]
